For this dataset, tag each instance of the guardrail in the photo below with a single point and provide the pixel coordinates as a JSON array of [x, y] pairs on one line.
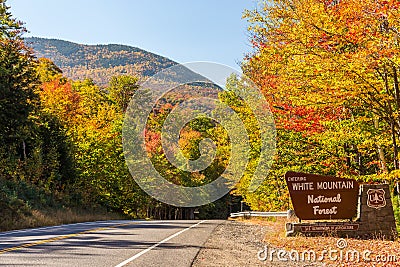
[[262, 214]]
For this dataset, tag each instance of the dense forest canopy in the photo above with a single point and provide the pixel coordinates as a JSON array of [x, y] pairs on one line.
[[328, 69]]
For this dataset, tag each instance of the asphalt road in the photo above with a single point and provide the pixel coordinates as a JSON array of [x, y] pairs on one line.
[[107, 243]]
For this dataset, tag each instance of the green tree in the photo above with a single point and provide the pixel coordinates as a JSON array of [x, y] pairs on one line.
[[121, 89], [17, 83]]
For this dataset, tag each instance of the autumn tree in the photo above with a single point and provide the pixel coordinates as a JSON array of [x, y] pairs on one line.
[[329, 70], [48, 71], [323, 61]]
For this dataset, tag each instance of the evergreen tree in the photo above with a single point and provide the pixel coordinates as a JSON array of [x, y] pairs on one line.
[[17, 83]]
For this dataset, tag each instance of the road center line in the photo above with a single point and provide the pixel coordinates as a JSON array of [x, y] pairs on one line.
[[156, 245]]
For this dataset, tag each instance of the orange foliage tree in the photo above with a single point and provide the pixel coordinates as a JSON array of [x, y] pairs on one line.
[[330, 70]]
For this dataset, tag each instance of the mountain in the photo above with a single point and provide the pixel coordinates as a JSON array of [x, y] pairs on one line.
[[98, 62]]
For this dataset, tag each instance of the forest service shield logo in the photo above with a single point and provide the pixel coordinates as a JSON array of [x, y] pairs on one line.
[[376, 198]]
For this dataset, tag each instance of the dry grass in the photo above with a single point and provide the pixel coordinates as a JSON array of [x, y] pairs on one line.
[[39, 218], [276, 238]]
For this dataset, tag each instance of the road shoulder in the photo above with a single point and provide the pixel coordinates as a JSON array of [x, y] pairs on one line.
[[233, 243]]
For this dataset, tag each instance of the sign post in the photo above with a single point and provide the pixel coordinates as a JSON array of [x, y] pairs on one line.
[[338, 206]]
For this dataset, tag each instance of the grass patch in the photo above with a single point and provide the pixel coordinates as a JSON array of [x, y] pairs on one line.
[[51, 217], [23, 205]]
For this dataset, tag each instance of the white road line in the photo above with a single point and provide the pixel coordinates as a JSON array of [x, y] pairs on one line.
[[156, 245]]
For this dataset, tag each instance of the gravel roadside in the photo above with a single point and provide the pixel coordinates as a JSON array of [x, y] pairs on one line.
[[235, 243]]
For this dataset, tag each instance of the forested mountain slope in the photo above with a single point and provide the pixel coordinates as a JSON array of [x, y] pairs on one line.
[[98, 62]]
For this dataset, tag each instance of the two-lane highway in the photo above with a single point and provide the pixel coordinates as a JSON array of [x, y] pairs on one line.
[[107, 243]]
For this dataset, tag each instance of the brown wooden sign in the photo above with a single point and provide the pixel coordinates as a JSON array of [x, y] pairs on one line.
[[318, 197]]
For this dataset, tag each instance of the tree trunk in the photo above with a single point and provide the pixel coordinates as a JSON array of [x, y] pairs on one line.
[[24, 150], [395, 149], [383, 164], [396, 87]]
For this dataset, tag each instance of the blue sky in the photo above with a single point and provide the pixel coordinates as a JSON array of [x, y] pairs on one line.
[[182, 30]]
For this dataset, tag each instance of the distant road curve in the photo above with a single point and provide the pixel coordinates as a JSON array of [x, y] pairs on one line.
[[107, 243]]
